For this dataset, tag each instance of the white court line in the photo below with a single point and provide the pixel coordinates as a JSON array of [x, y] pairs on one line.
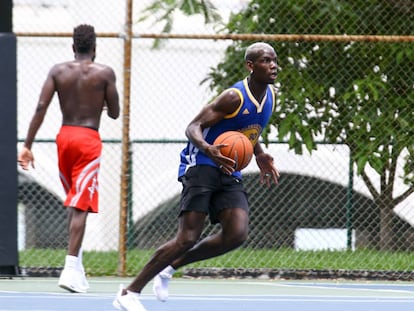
[[54, 296], [330, 286], [253, 298], [289, 298], [346, 287]]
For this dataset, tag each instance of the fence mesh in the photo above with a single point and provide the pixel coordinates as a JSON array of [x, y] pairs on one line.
[[326, 213]]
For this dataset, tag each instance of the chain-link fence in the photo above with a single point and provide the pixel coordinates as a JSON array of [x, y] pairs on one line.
[[345, 206]]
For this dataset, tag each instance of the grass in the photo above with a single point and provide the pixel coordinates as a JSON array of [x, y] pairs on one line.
[[106, 263]]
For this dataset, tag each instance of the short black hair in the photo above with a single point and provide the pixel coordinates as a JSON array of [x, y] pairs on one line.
[[255, 50], [84, 38]]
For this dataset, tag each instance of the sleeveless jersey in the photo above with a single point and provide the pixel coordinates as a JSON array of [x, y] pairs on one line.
[[250, 118]]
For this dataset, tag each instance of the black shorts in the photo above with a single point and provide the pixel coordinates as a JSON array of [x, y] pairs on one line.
[[208, 190]]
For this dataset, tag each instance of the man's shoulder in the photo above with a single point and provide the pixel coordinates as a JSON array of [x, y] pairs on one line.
[[103, 70], [74, 63], [59, 67], [62, 64], [102, 66], [238, 85]]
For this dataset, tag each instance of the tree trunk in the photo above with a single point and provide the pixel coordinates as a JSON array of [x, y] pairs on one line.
[[386, 228]]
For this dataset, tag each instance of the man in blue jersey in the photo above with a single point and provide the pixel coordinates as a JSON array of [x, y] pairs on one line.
[[211, 186]]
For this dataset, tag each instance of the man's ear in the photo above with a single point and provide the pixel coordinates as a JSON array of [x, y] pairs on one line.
[[249, 65]]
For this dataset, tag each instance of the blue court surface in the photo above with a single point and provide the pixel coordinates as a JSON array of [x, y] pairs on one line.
[[43, 294]]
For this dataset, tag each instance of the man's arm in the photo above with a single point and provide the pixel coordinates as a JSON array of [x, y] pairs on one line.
[[226, 103], [111, 95], [25, 156]]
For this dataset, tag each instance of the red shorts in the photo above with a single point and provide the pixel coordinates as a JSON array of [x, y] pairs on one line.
[[79, 155]]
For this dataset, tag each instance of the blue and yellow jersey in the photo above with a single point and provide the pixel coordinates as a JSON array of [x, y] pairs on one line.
[[250, 118]]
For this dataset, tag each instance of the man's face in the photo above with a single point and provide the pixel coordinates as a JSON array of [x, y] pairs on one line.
[[264, 68]]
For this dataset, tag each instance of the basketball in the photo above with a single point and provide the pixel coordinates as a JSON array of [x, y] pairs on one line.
[[239, 148]]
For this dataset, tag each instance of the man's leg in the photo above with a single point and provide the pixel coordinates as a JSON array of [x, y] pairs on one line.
[[234, 231], [190, 227], [77, 224], [234, 222], [72, 277]]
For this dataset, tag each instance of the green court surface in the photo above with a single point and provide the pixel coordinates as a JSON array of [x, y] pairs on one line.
[[214, 294]]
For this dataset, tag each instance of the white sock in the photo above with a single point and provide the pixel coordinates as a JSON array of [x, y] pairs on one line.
[[133, 293], [79, 263], [71, 262], [168, 272], [80, 254], [160, 285]]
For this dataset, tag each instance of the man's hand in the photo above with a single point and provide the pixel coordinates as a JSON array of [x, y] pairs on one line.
[[25, 158], [268, 172], [225, 164]]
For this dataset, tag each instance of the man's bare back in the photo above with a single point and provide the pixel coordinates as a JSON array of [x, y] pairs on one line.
[[84, 88]]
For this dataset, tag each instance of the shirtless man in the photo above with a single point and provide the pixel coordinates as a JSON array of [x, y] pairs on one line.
[[84, 89]]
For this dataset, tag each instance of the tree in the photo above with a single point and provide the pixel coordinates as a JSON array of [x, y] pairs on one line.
[[163, 12], [353, 93]]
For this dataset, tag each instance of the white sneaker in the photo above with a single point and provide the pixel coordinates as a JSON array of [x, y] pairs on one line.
[[115, 303], [128, 302], [160, 285], [72, 280], [84, 281]]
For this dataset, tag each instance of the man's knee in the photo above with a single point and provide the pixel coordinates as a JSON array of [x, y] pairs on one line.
[[238, 238], [186, 242]]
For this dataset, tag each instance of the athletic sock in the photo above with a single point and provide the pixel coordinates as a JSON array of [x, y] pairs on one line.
[[135, 294], [167, 272], [71, 262], [160, 285], [79, 262]]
